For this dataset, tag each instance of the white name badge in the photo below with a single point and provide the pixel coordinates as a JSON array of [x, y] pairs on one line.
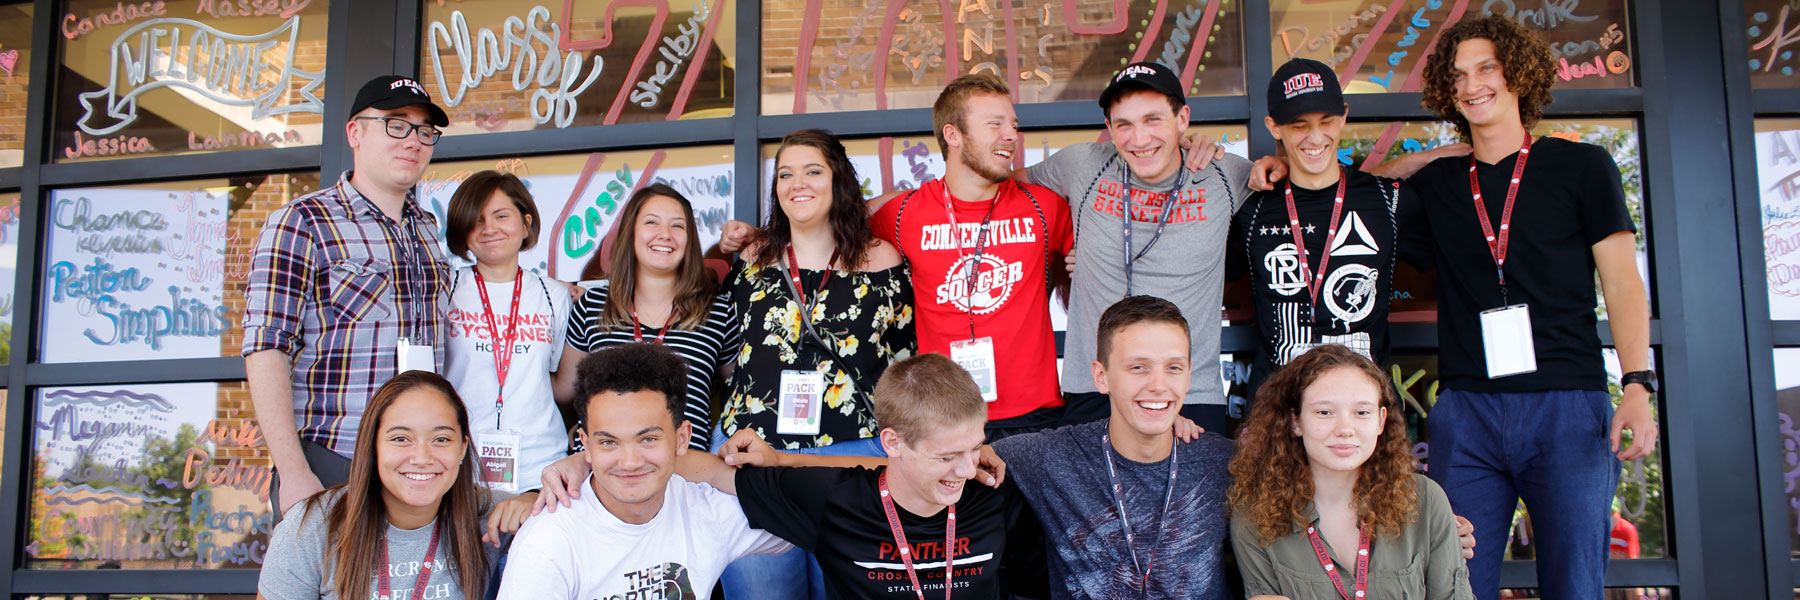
[[497, 459], [1506, 339], [802, 401], [414, 357], [977, 357]]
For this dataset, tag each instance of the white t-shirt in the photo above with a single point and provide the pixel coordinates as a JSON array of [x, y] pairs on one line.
[[530, 408], [583, 551]]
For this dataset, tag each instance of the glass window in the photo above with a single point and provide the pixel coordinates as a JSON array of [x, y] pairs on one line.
[[15, 62], [1778, 181], [1787, 400], [579, 196], [1378, 46], [9, 262], [163, 476], [1771, 29], [498, 65], [154, 271], [188, 76], [871, 55], [1415, 296]]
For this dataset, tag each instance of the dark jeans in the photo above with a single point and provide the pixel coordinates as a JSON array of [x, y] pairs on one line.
[[1549, 448], [330, 468], [1085, 407]]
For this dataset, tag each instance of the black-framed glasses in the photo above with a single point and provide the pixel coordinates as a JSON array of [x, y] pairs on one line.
[[399, 128]]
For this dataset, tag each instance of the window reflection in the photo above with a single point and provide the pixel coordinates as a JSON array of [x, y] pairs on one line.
[[1770, 28], [1778, 182], [15, 63]]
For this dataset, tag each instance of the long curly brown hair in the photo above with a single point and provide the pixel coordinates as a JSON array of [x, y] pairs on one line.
[[1524, 59], [849, 216], [1271, 477]]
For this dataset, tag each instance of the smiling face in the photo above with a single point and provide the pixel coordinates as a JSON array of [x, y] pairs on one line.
[[382, 160], [1146, 375], [935, 467], [632, 443], [1482, 95], [420, 451], [1340, 419], [1147, 131], [660, 235], [1310, 142], [803, 185], [500, 232], [987, 137]]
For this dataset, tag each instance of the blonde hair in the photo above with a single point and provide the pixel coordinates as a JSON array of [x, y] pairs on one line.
[[950, 107], [925, 393]]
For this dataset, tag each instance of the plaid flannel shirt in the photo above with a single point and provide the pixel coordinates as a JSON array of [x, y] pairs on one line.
[[335, 284]]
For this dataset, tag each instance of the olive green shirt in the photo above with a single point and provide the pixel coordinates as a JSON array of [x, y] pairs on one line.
[[1424, 562]]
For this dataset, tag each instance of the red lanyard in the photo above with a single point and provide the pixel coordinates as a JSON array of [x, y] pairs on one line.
[[502, 345], [637, 328], [973, 267], [1315, 279], [387, 592], [1497, 244], [794, 273], [887, 504], [1331, 571]]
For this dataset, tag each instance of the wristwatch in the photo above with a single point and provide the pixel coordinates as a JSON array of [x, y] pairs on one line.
[[1646, 377]]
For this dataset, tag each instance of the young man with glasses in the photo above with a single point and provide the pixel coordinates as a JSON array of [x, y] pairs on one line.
[[347, 289]]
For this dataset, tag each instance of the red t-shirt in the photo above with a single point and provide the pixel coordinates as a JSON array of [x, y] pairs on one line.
[[1624, 538], [1009, 303]]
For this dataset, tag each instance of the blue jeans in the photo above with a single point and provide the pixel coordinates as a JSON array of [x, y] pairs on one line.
[[1548, 448], [795, 574]]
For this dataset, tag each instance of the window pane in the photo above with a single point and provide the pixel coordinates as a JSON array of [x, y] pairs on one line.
[[836, 55], [15, 61], [1770, 30], [188, 76], [1415, 296], [498, 65], [1787, 400], [9, 262], [154, 271], [1778, 181], [1379, 46], [163, 476], [579, 196]]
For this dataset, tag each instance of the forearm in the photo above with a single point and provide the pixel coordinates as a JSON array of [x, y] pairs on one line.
[[791, 459], [271, 380], [701, 467]]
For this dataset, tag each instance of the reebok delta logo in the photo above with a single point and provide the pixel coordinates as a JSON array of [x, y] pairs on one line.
[[1303, 83]]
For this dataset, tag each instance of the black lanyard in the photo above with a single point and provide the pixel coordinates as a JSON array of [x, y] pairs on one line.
[[415, 282], [1162, 217], [1125, 521]]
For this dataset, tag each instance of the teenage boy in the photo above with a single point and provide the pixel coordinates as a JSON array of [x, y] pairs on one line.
[[981, 246], [644, 531], [347, 287], [1129, 510], [1320, 247], [1519, 229]]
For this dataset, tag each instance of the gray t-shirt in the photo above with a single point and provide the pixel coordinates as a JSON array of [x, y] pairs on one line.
[[295, 567], [1062, 473], [1185, 266]]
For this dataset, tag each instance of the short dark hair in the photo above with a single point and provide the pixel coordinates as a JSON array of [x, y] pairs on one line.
[[1133, 89], [470, 200], [1131, 311], [631, 368]]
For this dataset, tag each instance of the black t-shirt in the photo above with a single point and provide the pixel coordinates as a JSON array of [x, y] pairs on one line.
[[836, 514], [1352, 306], [1569, 199]]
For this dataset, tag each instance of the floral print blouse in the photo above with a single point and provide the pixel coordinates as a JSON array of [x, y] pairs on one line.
[[867, 318]]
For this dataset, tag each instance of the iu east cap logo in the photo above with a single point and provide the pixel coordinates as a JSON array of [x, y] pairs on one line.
[[1303, 83], [408, 84], [1134, 71], [994, 283]]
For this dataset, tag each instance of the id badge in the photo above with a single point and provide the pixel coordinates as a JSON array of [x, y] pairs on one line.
[[497, 456], [1506, 339], [977, 357], [414, 357], [802, 401]]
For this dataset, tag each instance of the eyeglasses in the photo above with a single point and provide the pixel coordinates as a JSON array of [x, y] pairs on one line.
[[399, 128]]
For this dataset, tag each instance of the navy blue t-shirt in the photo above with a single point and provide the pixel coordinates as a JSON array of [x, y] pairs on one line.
[[1062, 473]]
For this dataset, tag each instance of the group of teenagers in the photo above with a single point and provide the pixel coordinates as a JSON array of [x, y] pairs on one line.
[[892, 421]]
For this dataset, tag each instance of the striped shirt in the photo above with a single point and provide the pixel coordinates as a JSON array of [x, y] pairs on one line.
[[707, 350], [335, 284]]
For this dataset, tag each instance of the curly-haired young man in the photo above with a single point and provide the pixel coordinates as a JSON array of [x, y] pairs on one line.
[[1524, 411]]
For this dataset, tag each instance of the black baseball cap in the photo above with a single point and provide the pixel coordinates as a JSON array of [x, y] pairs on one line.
[[389, 92], [1143, 76], [1304, 86]]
